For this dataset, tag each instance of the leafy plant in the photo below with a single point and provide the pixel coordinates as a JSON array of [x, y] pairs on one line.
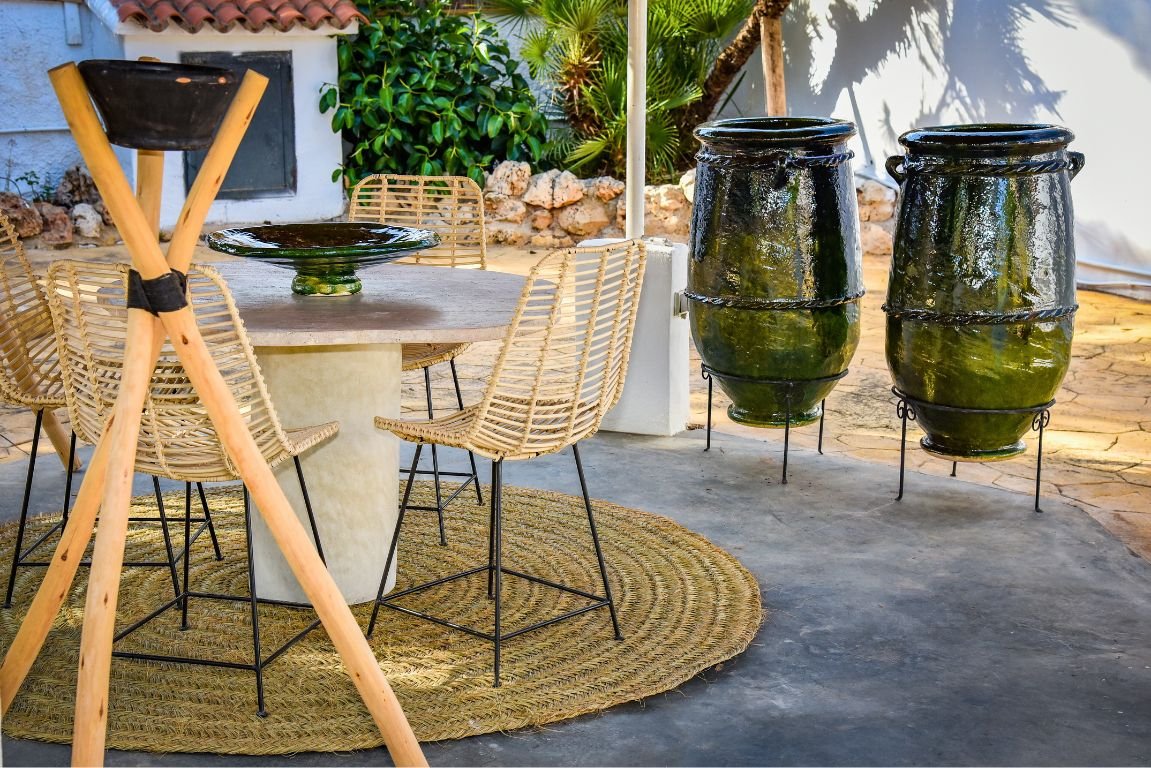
[[580, 48], [425, 92]]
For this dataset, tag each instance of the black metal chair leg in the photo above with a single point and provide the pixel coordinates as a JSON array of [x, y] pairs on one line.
[[471, 456], [492, 530], [497, 567], [308, 507], [255, 607], [68, 477], [24, 508], [395, 541], [167, 536], [187, 555], [208, 521], [595, 540], [435, 460]]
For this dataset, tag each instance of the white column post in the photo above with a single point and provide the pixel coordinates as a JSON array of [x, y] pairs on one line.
[[636, 115]]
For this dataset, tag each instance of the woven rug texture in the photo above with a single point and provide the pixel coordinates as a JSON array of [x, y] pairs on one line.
[[684, 606]]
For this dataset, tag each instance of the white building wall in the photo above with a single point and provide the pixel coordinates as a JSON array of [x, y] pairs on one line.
[[1085, 64], [318, 148], [36, 35]]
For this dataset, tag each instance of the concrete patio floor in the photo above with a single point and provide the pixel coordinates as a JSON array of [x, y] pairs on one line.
[[953, 627]]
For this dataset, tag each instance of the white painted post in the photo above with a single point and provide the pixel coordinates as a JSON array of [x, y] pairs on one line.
[[636, 116], [656, 394]]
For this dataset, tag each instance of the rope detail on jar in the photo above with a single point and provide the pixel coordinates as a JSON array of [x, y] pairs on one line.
[[772, 158], [980, 318], [744, 302]]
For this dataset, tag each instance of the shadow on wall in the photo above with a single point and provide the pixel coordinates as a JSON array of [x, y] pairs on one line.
[[1128, 22], [972, 47]]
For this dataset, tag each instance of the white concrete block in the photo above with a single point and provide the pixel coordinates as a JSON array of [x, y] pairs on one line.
[[656, 394]]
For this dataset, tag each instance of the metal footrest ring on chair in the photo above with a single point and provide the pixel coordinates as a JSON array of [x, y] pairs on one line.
[[495, 572], [182, 599], [21, 554], [472, 478]]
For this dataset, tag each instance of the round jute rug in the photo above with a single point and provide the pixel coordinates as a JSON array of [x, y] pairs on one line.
[[684, 606]]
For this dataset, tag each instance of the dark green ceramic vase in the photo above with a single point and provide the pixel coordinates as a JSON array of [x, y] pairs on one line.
[[774, 278], [981, 297]]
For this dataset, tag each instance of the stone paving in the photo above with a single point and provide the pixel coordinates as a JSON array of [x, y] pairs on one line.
[[1097, 450]]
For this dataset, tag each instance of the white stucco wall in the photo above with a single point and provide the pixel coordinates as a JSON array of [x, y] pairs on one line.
[[318, 149], [36, 35], [1085, 64]]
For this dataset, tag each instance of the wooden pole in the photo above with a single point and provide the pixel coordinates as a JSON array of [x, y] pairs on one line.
[[771, 49], [293, 540], [91, 722], [150, 185], [57, 579]]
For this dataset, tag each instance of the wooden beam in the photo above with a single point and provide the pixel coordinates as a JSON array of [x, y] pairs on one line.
[[293, 540]]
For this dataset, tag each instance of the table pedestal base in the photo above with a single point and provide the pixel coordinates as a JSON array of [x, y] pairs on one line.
[[352, 478]]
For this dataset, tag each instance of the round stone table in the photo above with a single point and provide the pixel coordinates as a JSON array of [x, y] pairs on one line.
[[337, 358]]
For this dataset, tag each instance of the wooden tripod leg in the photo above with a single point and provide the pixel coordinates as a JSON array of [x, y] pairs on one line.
[[91, 721], [209, 384], [149, 185], [293, 541], [57, 580], [60, 439], [65, 561]]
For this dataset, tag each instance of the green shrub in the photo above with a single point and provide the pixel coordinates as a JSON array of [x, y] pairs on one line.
[[579, 47], [425, 92]]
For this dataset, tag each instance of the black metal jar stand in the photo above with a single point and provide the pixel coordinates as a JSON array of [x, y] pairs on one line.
[[708, 373], [905, 410]]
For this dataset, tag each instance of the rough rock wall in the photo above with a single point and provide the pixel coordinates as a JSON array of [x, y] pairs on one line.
[[555, 209]]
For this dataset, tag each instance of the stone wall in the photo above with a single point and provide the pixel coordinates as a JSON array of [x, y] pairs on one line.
[[75, 215], [555, 209], [552, 209]]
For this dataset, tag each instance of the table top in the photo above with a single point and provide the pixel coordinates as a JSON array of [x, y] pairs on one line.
[[400, 303]]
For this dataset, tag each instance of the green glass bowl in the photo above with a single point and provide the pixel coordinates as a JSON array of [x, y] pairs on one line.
[[324, 255]]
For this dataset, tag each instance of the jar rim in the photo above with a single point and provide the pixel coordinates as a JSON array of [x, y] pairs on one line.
[[989, 138], [775, 131]]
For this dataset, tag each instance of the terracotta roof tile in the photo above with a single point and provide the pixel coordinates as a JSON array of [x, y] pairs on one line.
[[224, 15]]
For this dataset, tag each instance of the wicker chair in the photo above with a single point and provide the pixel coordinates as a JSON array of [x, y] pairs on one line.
[[30, 377], [561, 368], [453, 208], [177, 439]]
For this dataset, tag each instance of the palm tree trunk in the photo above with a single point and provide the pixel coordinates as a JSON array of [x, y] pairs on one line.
[[732, 59]]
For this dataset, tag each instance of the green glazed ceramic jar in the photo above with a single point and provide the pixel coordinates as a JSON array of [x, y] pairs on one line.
[[981, 296], [775, 277]]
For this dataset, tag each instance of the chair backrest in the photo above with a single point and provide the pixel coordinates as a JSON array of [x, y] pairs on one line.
[[563, 363], [450, 206], [177, 439], [29, 366]]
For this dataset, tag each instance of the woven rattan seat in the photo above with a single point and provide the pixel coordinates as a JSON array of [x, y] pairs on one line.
[[453, 208], [177, 439], [561, 368], [29, 373], [418, 356], [30, 369]]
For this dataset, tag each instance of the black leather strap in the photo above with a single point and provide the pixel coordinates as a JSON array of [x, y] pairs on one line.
[[166, 293]]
